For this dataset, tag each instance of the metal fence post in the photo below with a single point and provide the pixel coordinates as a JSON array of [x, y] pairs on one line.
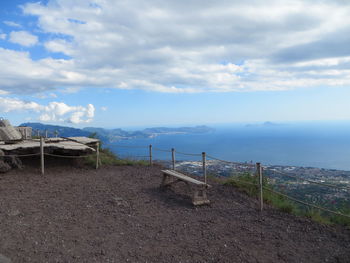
[[260, 174], [204, 167], [173, 157], [150, 155], [42, 155]]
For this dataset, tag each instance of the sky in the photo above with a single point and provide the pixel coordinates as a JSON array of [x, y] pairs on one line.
[[118, 63]]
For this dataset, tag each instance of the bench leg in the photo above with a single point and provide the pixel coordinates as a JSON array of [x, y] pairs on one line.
[[167, 180], [200, 197]]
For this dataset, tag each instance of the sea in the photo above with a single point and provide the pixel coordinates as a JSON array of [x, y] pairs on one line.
[[307, 144]]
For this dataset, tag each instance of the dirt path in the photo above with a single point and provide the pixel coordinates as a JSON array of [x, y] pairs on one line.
[[119, 214]]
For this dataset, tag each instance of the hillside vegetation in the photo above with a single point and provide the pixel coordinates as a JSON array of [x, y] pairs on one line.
[[248, 184]]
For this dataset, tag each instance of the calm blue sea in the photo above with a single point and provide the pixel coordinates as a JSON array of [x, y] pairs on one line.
[[318, 144]]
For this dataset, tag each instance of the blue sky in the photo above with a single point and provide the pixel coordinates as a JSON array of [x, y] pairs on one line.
[[114, 63]]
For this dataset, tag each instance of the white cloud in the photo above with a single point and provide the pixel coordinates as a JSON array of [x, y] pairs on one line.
[[175, 47], [52, 112], [57, 111], [23, 38], [12, 24], [3, 92], [45, 96], [3, 36], [90, 111], [104, 108], [83, 114], [71, 90], [59, 45]]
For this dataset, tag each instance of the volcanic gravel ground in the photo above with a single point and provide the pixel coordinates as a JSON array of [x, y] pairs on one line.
[[119, 214]]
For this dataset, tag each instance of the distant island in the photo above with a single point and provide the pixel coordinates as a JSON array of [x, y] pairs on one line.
[[113, 135], [265, 124]]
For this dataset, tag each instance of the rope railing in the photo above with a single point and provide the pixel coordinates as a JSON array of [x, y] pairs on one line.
[[20, 155], [69, 156], [161, 150], [189, 154], [306, 203], [309, 181]]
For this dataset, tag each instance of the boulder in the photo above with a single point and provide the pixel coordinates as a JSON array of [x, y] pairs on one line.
[[4, 167]]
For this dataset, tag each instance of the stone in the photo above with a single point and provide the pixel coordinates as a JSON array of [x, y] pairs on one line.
[[4, 167], [4, 259], [14, 162]]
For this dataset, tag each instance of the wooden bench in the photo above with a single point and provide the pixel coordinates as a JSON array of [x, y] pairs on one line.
[[200, 191]]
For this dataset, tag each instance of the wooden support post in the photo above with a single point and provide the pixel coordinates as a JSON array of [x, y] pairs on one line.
[[42, 155], [173, 157], [260, 175], [97, 154], [150, 155], [204, 167]]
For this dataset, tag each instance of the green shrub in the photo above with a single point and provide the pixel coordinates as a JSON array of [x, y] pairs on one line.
[[342, 220], [282, 203], [245, 182], [315, 215]]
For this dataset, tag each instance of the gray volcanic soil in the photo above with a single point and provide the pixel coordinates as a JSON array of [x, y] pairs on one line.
[[119, 214]]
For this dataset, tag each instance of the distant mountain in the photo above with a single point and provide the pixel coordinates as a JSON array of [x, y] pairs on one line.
[[265, 124], [62, 131], [165, 130], [113, 135], [119, 134]]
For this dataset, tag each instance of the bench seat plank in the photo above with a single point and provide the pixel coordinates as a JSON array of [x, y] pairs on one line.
[[183, 177]]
